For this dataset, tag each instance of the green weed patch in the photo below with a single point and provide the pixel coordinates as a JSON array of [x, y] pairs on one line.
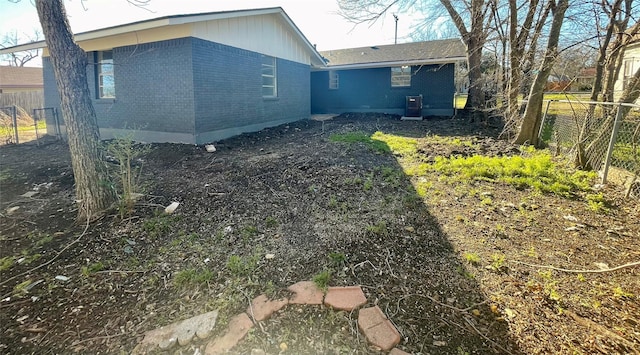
[[375, 145]]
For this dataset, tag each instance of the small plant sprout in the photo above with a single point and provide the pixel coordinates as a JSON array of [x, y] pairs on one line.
[[192, 277], [271, 222], [243, 266], [497, 262], [6, 263], [91, 269], [337, 259], [379, 228], [322, 279], [620, 293], [597, 203], [472, 258]]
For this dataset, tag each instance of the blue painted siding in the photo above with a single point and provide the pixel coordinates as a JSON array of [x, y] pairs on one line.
[[192, 91], [370, 90], [154, 88], [228, 91]]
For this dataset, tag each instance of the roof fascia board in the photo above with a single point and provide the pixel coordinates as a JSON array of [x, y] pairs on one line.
[[394, 63], [23, 47], [113, 31], [182, 19]]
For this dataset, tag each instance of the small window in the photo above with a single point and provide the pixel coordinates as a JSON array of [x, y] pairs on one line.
[[628, 68], [401, 76], [334, 82], [106, 86], [269, 78]]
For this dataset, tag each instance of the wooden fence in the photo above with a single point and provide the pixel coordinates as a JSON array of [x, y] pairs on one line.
[[28, 100]]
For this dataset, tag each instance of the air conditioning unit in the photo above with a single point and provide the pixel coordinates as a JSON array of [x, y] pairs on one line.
[[413, 108]]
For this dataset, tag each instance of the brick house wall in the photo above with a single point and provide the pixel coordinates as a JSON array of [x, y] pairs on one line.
[[370, 90], [228, 91], [189, 90]]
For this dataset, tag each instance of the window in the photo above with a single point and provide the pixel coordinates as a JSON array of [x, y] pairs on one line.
[[401, 76], [104, 75], [628, 73], [269, 78], [334, 83]]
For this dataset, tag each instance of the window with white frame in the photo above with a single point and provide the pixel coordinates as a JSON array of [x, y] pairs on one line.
[[401, 76], [629, 68], [106, 85], [334, 82], [269, 77]]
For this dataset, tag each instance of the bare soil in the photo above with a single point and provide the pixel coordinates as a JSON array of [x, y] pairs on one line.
[[460, 271]]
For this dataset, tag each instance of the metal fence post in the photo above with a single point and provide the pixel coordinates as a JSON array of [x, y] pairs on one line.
[[57, 120], [35, 125], [15, 123], [455, 104], [544, 117], [612, 142]]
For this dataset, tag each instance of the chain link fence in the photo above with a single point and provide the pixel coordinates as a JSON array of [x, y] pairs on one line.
[[19, 126], [604, 136]]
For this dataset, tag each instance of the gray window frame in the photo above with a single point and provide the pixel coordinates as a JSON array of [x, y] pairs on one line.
[[104, 71], [401, 76]]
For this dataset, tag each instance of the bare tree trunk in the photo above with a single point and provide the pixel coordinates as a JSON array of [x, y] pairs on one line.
[[533, 114], [474, 40], [69, 63], [518, 42], [602, 51]]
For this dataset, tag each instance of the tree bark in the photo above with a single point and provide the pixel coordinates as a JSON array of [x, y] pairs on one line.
[[533, 114], [474, 40], [518, 42], [69, 61]]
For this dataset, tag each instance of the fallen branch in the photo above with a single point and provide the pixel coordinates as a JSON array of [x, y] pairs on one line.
[[119, 271], [579, 271], [50, 260], [589, 324]]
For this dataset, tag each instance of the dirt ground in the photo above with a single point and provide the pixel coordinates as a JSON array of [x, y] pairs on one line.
[[461, 270]]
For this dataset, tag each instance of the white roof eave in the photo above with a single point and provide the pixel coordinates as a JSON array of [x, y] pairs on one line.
[[392, 63]]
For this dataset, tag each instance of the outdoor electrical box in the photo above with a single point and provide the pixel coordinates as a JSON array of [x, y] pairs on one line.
[[413, 107]]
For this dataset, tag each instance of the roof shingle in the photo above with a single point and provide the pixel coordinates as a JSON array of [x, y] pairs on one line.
[[20, 77], [431, 51]]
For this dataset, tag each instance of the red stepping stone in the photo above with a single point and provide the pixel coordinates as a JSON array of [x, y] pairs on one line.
[[378, 330], [345, 298], [305, 292], [238, 327], [262, 308], [396, 351]]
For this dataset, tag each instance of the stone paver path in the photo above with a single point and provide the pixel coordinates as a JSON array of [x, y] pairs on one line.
[[345, 298], [372, 322], [378, 330]]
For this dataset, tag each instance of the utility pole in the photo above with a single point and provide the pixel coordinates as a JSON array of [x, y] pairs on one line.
[[396, 37]]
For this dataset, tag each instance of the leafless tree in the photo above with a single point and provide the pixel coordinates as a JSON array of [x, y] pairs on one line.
[[531, 121], [69, 64], [19, 59]]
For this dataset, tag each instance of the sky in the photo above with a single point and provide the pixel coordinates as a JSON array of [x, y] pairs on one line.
[[318, 20]]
